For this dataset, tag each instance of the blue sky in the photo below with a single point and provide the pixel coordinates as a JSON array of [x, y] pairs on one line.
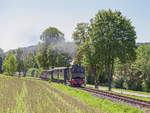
[[22, 21]]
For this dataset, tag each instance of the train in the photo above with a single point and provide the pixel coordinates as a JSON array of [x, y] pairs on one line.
[[72, 76]]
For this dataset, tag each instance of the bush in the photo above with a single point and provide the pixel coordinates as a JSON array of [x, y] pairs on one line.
[[119, 83], [34, 72]]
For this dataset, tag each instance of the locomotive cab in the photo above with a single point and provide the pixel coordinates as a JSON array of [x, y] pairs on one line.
[[77, 75]]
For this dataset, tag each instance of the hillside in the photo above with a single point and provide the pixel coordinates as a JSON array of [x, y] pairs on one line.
[[22, 95], [66, 47], [144, 43]]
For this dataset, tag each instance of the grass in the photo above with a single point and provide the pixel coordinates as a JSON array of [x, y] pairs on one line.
[[61, 77], [137, 97], [28, 95], [98, 103]]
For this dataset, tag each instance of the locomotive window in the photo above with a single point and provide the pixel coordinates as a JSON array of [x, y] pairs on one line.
[[77, 70]]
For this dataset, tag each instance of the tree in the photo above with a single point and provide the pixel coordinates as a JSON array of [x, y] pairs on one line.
[[52, 36], [52, 56], [79, 56], [19, 57], [10, 64], [63, 59], [28, 62], [1, 59], [91, 60], [142, 66], [57, 58], [134, 75], [114, 36], [41, 56], [11, 52], [46, 56], [127, 75], [79, 36], [80, 33]]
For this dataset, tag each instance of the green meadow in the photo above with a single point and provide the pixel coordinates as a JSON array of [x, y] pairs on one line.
[[26, 95]]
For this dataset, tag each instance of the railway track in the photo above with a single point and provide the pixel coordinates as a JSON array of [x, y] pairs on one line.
[[141, 103]]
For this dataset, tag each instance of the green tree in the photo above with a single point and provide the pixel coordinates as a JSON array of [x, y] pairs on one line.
[[28, 61], [127, 75], [142, 65], [134, 75], [41, 56], [1, 59], [56, 58], [51, 36], [11, 52], [48, 55], [80, 33], [92, 61], [114, 36], [63, 60], [79, 56], [19, 57], [79, 36], [10, 64], [52, 56]]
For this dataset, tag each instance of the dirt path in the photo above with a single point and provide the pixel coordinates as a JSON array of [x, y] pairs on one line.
[[124, 92]]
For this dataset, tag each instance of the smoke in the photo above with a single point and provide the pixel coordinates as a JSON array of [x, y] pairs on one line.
[[56, 42], [65, 47]]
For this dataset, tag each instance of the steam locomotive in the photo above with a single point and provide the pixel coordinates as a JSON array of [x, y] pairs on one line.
[[73, 76]]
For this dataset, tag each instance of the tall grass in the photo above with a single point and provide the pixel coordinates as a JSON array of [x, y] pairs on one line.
[[20, 95], [21, 106]]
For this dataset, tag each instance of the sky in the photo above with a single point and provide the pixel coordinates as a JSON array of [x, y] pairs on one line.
[[23, 21]]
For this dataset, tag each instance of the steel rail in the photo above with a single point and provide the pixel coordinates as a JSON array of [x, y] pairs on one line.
[[139, 102]]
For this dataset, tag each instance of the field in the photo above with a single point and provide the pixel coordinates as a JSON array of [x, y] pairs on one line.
[[22, 95]]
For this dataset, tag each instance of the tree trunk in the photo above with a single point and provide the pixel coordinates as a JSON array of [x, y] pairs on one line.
[[109, 77], [95, 79], [58, 74], [24, 74], [105, 69], [19, 73], [112, 67], [33, 73]]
